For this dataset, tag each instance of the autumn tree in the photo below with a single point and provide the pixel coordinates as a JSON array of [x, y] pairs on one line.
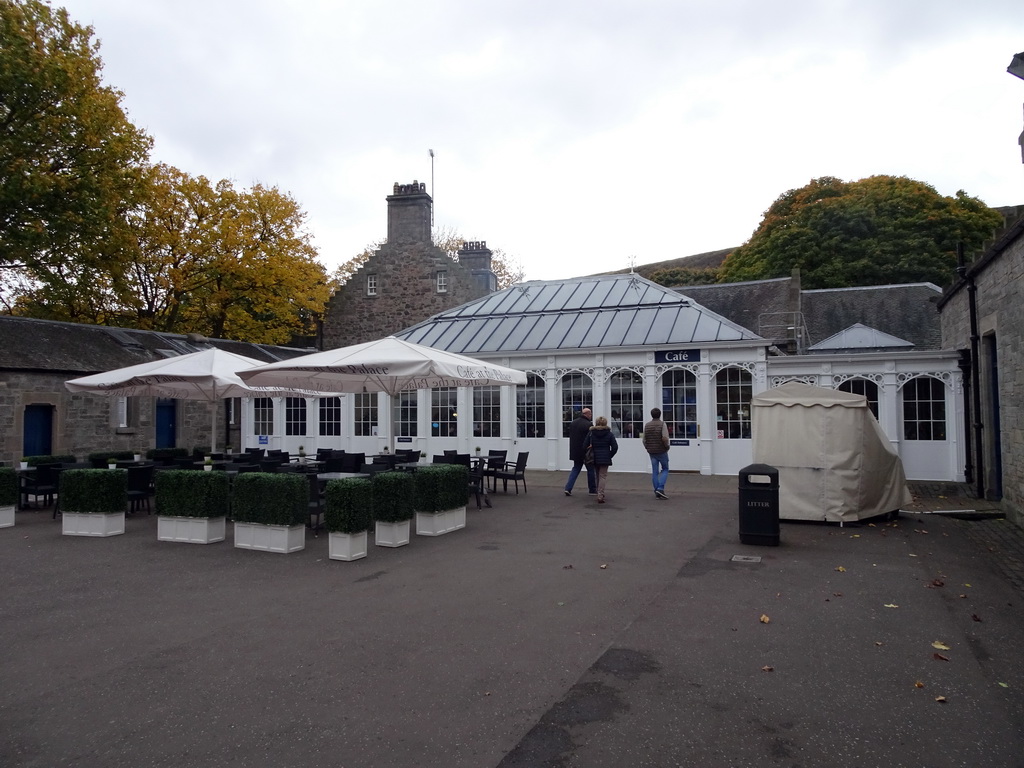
[[223, 262], [877, 231], [70, 161]]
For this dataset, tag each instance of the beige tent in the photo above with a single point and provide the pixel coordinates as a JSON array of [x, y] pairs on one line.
[[834, 461]]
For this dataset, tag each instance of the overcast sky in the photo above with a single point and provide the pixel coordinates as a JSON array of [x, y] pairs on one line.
[[572, 135]]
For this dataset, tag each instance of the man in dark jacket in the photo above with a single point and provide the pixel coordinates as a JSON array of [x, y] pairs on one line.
[[577, 434]]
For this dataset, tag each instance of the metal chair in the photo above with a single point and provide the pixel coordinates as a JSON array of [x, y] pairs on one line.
[[316, 504], [352, 462], [42, 482], [476, 484], [333, 461], [514, 472], [494, 464], [140, 487]]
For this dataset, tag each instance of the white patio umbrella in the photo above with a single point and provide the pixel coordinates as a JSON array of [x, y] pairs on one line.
[[209, 375], [389, 365]]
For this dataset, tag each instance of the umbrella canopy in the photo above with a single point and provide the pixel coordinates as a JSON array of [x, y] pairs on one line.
[[388, 365], [209, 375]]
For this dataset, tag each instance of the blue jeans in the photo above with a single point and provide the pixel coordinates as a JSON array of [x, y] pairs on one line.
[[659, 476], [575, 472]]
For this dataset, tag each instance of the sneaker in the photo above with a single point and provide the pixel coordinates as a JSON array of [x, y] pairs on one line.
[[600, 501], [660, 494], [567, 493]]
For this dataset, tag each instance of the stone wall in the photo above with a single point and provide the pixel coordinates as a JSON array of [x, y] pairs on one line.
[[999, 277]]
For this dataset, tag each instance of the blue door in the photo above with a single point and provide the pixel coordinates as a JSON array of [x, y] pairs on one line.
[[166, 423], [37, 439]]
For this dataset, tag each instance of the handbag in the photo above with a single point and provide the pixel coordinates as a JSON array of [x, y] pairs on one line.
[[588, 456]]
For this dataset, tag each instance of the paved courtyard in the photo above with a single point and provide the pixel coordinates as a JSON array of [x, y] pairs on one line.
[[550, 632]]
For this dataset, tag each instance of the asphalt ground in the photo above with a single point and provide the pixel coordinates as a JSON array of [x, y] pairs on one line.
[[552, 631]]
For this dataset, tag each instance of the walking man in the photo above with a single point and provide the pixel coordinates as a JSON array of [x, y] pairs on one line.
[[656, 442], [577, 434]]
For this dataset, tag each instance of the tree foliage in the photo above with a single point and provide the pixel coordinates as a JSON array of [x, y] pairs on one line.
[[685, 276], [877, 231], [70, 161]]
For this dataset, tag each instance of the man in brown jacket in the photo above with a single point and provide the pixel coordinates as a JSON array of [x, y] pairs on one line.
[[656, 442]]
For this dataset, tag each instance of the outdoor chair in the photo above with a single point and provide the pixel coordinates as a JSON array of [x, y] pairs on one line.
[[352, 462], [476, 484], [441, 459], [254, 453], [514, 472], [42, 482], [495, 463], [374, 469], [140, 487], [450, 453], [333, 461], [316, 504]]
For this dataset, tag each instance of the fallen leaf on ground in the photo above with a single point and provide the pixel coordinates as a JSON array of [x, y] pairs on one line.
[[940, 699], [938, 583], [912, 555], [877, 642], [840, 569], [767, 668], [962, 596], [1004, 685], [764, 619], [604, 565], [940, 645], [837, 594], [976, 617], [891, 605], [564, 567], [940, 657], [919, 684]]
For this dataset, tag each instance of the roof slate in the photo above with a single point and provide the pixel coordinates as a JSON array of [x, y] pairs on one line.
[[904, 311], [73, 348]]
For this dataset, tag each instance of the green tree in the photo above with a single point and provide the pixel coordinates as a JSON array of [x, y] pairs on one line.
[[70, 162], [877, 231], [685, 276]]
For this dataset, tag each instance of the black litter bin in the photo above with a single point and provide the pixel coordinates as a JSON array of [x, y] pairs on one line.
[[759, 505]]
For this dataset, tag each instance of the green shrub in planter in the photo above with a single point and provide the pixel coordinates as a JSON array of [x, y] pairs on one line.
[[93, 491], [440, 487], [8, 487], [101, 458], [392, 497], [270, 499], [166, 455], [348, 505], [186, 493], [35, 461]]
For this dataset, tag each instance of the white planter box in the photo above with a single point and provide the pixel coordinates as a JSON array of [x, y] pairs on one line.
[[90, 524], [438, 523], [191, 530], [270, 538], [391, 534], [346, 546], [7, 516]]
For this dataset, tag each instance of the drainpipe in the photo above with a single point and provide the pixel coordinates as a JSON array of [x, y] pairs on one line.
[[972, 302], [964, 364]]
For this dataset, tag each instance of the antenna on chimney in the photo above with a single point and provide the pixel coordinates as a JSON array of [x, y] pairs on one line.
[[431, 187]]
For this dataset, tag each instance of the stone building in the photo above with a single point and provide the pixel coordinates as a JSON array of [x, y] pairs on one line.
[[38, 416], [982, 317], [407, 279]]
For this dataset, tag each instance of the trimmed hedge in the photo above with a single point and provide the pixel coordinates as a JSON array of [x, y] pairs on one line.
[[187, 493], [348, 505], [392, 496], [8, 487], [35, 461], [167, 455], [440, 487], [94, 491], [119, 455], [270, 498]]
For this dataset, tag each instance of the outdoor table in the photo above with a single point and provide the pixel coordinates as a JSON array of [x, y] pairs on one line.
[[325, 476]]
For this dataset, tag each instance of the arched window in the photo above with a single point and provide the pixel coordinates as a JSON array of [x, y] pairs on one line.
[[924, 409], [530, 407], [732, 400], [577, 394], [864, 387], [626, 391], [679, 403]]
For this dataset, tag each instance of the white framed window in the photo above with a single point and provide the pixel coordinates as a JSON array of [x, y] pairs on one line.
[[262, 416], [405, 413], [530, 407], [371, 285], [443, 412], [330, 416], [577, 394], [733, 390], [442, 281], [365, 414], [295, 416], [122, 412], [858, 386], [924, 409], [626, 389], [679, 403], [486, 412]]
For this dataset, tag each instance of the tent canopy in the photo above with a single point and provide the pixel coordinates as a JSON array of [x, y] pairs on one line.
[[834, 461]]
